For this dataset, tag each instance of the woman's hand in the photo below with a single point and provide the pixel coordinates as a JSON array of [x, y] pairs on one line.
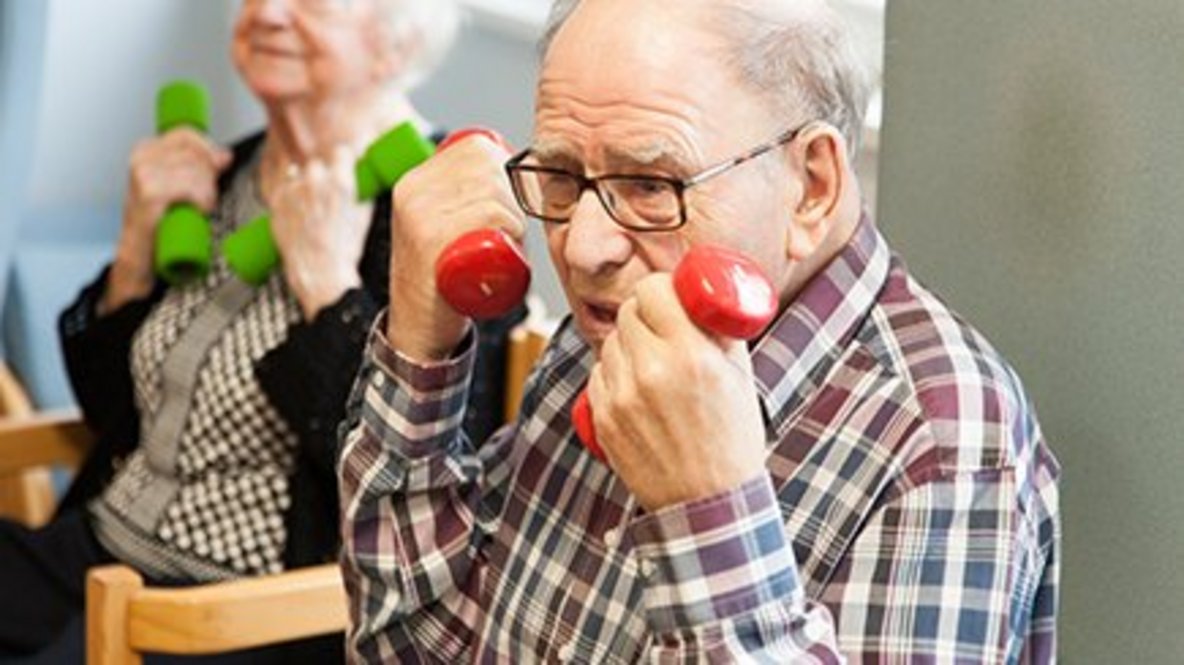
[[675, 409], [320, 230], [180, 166], [461, 189]]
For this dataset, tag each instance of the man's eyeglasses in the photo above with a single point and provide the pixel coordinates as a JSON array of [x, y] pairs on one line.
[[637, 202]]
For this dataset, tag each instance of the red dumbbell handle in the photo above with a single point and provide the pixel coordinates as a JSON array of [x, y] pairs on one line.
[[482, 274], [724, 292]]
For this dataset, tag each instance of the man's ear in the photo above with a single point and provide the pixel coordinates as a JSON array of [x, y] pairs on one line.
[[820, 159]]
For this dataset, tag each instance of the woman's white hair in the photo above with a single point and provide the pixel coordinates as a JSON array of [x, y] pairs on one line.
[[424, 30], [796, 54]]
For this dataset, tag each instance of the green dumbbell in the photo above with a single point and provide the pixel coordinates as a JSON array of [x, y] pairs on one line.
[[251, 251], [184, 244]]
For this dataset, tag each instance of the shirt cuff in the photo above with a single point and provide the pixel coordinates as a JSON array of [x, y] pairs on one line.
[[417, 406], [715, 559]]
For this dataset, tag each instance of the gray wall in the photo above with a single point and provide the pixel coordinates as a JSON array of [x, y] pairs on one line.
[[1031, 171]]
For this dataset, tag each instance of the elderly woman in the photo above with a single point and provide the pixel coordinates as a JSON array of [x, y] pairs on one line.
[[217, 416]]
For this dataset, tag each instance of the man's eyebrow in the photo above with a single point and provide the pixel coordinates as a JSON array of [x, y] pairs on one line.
[[657, 155], [555, 153]]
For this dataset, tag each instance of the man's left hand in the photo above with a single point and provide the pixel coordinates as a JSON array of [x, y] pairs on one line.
[[675, 409]]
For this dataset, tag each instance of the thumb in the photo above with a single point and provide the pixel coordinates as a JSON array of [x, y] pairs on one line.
[[737, 353]]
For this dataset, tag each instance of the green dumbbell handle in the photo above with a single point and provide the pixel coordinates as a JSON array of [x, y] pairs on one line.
[[251, 251], [183, 245], [184, 248]]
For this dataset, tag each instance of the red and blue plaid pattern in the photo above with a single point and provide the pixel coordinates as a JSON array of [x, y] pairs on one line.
[[909, 513]]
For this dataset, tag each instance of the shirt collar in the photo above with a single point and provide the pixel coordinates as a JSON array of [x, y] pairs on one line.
[[793, 357], [797, 352]]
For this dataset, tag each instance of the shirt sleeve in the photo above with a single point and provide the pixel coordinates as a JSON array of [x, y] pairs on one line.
[[722, 584], [947, 570], [411, 487], [97, 350]]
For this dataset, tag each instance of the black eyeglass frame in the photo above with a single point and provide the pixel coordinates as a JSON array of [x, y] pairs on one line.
[[680, 185]]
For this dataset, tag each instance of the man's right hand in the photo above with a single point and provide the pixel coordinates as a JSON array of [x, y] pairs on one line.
[[180, 166], [461, 189]]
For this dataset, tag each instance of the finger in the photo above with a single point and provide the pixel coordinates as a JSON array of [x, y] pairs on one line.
[[175, 175], [614, 363], [184, 160], [199, 145], [637, 341], [737, 353], [183, 184], [598, 396], [659, 309], [505, 216], [491, 136]]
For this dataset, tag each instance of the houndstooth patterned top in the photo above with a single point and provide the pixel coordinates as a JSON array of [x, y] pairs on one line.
[[203, 497]]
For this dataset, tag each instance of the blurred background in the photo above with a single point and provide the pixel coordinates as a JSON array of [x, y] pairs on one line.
[[1025, 158]]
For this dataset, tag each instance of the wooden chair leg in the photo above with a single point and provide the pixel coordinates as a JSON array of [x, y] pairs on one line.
[[109, 591], [27, 497]]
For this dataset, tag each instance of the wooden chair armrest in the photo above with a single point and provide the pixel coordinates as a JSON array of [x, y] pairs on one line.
[[216, 618], [51, 438], [527, 341], [14, 401]]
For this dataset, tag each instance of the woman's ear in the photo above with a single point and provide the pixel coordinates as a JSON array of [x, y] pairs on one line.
[[824, 183], [389, 50]]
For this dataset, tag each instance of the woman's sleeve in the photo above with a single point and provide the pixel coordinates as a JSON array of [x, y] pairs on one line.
[[308, 377], [97, 352]]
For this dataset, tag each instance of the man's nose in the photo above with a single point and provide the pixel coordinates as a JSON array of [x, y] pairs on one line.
[[595, 243]]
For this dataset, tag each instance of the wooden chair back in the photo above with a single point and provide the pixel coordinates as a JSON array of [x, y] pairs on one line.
[[126, 619], [26, 494]]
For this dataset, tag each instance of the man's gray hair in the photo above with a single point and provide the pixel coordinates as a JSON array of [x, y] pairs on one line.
[[424, 29], [796, 54]]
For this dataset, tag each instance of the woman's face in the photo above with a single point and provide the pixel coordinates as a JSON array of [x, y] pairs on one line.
[[290, 50]]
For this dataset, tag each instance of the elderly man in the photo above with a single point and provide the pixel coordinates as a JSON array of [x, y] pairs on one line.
[[866, 481]]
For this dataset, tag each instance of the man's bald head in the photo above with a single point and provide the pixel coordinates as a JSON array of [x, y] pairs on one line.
[[796, 55]]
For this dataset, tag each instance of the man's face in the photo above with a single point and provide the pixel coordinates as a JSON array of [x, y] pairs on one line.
[[640, 88]]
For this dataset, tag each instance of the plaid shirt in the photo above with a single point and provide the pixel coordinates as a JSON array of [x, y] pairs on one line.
[[909, 513]]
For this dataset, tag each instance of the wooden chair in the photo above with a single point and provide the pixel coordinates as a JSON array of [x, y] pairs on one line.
[[527, 343], [26, 491], [125, 619]]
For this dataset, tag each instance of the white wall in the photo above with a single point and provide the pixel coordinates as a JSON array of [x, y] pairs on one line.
[[78, 92], [103, 63]]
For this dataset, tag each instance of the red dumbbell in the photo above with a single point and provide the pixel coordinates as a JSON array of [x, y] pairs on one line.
[[724, 292], [482, 274]]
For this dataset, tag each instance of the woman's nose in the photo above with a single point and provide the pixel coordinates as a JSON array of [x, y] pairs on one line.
[[275, 10]]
